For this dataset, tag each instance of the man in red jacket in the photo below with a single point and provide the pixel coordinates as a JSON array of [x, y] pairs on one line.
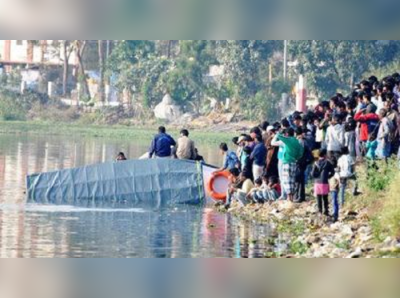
[[369, 121]]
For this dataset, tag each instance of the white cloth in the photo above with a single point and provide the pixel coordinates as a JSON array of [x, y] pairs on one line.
[[345, 165], [257, 172], [335, 139], [320, 135]]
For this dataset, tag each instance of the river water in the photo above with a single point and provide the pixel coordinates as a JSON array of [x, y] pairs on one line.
[[66, 231]]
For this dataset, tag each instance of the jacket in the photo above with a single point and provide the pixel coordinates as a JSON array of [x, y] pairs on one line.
[[323, 170], [335, 140], [185, 148], [259, 155], [293, 151], [161, 145], [368, 124]]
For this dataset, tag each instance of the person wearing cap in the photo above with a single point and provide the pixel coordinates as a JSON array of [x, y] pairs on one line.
[[241, 144]]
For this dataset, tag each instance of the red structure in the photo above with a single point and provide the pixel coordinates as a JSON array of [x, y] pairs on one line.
[[301, 95]]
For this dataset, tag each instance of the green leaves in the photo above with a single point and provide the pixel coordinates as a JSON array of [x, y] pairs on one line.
[[333, 65]]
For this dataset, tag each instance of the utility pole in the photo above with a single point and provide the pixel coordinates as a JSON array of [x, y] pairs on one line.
[[285, 60]]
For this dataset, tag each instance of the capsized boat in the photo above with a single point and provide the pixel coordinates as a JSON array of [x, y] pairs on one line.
[[155, 182]]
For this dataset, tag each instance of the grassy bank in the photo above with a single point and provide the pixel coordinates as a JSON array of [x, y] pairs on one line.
[[380, 200], [98, 131], [369, 225]]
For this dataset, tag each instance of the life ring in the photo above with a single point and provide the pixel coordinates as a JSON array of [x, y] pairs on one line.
[[220, 194]]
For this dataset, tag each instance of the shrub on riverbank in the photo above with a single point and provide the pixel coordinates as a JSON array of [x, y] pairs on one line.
[[15, 106], [10, 110]]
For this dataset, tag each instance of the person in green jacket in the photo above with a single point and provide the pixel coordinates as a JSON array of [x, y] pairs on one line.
[[292, 154]]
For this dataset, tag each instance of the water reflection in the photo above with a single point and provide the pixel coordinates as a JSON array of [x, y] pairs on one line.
[[65, 231]]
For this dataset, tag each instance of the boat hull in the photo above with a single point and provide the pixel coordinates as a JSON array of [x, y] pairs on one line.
[[154, 182]]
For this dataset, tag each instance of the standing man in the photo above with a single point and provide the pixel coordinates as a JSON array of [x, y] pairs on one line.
[[161, 145], [293, 151], [185, 148], [259, 158]]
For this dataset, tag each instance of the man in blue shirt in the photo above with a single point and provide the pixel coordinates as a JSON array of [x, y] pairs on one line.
[[231, 159], [161, 145], [259, 158]]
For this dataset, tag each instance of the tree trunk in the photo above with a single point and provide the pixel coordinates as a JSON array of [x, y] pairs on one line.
[[169, 49], [66, 67], [82, 75], [101, 94]]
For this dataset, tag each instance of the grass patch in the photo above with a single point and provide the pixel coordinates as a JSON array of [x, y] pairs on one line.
[[388, 219], [389, 254], [380, 198], [298, 248], [345, 245], [294, 229], [112, 132]]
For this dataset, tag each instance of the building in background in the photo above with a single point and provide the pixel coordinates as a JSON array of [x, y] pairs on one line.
[[25, 53]]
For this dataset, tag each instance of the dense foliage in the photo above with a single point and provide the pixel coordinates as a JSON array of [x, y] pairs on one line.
[[247, 72], [152, 68], [333, 65]]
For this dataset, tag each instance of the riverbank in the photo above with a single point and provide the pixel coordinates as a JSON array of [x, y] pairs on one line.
[[142, 132], [369, 226]]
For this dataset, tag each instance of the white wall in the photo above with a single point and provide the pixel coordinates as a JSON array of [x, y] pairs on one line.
[[19, 53]]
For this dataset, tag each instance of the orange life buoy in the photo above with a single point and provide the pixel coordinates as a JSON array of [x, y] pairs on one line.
[[218, 196]]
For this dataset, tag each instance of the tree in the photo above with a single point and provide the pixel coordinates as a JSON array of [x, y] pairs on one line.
[[331, 65], [127, 60], [246, 63], [102, 96], [79, 47], [67, 49]]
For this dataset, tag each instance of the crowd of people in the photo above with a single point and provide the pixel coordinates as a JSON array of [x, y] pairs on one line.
[[276, 161]]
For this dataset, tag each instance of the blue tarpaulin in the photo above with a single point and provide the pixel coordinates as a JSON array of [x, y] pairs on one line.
[[158, 182]]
